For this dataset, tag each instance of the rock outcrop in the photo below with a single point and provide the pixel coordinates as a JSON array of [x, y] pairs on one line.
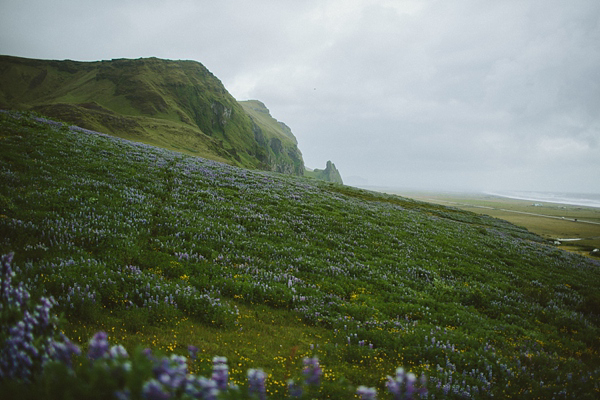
[[329, 174], [283, 153]]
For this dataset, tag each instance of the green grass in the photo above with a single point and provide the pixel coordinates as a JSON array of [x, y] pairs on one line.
[[549, 220], [266, 269], [172, 104]]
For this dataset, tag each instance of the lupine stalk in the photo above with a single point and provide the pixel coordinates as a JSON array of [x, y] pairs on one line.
[[220, 372], [402, 386], [366, 393], [98, 346], [312, 371], [294, 389], [256, 383]]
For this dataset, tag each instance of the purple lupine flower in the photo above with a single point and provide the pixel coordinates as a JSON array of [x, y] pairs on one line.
[[148, 353], [63, 351], [123, 394], [294, 389], [366, 393], [312, 371], [422, 391], [402, 386], [171, 372], [201, 388], [256, 383], [153, 390], [31, 342], [193, 351], [7, 274], [16, 358], [117, 351], [410, 384], [43, 311], [220, 372], [13, 296], [98, 346]]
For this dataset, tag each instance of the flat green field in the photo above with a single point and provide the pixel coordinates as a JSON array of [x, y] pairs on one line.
[[549, 220]]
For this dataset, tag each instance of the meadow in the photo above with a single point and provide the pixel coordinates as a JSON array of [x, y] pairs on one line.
[[549, 220], [164, 250]]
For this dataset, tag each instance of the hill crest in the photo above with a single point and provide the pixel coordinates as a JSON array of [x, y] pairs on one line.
[[179, 105]]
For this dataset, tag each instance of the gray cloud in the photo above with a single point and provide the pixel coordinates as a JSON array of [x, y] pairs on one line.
[[465, 94]]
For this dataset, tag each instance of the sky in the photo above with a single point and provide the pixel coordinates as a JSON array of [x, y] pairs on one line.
[[461, 95]]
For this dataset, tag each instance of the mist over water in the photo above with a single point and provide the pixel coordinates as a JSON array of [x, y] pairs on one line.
[[576, 199]]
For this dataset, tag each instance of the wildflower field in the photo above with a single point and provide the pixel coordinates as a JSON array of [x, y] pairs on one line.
[[306, 288]]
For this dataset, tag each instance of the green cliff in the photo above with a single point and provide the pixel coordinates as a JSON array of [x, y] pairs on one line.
[[178, 105], [284, 155]]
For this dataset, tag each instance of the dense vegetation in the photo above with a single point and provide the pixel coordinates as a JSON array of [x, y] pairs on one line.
[[167, 250]]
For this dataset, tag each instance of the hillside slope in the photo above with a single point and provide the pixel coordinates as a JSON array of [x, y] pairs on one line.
[[178, 105], [162, 249]]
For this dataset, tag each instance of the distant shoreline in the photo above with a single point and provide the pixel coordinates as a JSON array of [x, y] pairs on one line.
[[549, 199], [571, 199], [573, 220]]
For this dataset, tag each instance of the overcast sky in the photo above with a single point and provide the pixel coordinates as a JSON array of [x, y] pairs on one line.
[[452, 95]]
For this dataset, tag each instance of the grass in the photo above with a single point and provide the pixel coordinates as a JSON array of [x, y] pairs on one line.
[[163, 249], [520, 212]]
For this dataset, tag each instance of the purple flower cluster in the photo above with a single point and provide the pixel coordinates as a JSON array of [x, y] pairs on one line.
[[10, 296], [403, 385], [171, 372], [32, 336], [366, 393], [312, 377], [98, 346], [220, 372], [256, 383], [312, 371], [294, 389], [171, 378]]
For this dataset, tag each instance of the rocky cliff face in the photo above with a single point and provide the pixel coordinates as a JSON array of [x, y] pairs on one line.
[[174, 104], [329, 174], [283, 155]]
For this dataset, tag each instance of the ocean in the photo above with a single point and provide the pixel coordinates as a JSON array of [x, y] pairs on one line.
[[575, 199]]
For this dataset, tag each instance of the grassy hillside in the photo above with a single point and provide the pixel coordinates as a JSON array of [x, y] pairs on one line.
[[550, 220], [165, 250], [178, 105]]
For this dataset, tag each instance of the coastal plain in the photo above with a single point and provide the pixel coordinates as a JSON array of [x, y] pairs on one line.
[[576, 227]]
